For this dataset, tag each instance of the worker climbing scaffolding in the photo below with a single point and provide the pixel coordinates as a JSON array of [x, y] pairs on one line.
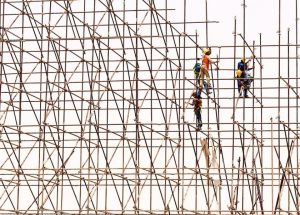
[[206, 61], [201, 70], [197, 103], [244, 79], [196, 70]]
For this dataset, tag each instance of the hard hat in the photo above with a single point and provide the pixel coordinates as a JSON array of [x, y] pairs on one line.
[[238, 73], [243, 59], [205, 51]]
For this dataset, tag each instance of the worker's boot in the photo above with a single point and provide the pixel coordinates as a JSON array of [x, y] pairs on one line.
[[198, 91], [207, 88], [200, 126]]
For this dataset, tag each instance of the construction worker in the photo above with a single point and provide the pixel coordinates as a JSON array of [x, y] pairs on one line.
[[196, 70], [206, 61], [197, 103], [243, 76]]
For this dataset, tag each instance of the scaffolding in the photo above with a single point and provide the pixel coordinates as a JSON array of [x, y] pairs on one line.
[[95, 112]]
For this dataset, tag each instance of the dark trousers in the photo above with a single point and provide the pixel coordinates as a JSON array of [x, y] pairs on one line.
[[198, 119], [241, 82]]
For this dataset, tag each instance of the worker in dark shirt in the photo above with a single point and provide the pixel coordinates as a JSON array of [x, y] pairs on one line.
[[197, 103], [243, 77]]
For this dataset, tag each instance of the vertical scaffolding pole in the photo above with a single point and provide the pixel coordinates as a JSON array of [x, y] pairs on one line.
[[233, 188], [288, 122], [297, 102], [279, 94], [137, 155], [261, 118], [244, 27], [151, 107], [206, 23]]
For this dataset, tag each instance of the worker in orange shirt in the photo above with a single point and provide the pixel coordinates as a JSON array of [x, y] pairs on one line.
[[206, 61]]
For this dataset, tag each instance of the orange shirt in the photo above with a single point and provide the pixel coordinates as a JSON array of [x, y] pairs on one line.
[[205, 61]]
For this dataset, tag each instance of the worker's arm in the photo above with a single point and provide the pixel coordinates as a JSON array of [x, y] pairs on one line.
[[252, 57], [213, 62], [251, 67]]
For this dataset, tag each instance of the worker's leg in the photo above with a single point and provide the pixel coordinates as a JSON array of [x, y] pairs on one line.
[[207, 78], [197, 79], [246, 92], [249, 82], [205, 86], [239, 86], [202, 77], [198, 91], [199, 120], [245, 84]]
